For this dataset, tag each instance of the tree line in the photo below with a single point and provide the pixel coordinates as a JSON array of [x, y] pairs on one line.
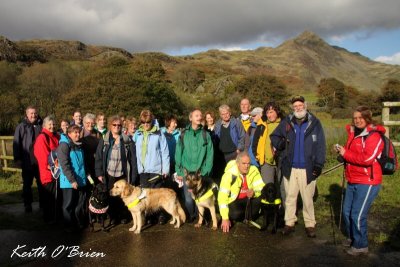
[[118, 85], [339, 99]]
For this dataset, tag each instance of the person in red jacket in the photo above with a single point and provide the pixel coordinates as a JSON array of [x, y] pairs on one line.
[[364, 176], [45, 142]]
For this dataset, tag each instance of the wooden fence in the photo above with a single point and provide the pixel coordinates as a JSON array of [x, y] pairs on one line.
[[6, 142], [386, 120]]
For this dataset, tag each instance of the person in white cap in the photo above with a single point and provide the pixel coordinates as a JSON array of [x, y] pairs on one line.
[[255, 115]]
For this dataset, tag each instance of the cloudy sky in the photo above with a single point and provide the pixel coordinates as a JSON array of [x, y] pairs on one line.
[[178, 27]]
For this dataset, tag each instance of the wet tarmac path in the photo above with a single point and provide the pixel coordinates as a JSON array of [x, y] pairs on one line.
[[162, 245]]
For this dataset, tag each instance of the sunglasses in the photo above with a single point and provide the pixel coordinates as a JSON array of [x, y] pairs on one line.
[[117, 125], [146, 122]]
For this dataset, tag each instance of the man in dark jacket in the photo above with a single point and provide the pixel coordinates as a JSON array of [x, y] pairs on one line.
[[301, 141], [24, 138]]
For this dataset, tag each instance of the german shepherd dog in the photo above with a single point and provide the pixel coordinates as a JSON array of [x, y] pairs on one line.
[[270, 204], [141, 200], [98, 206], [203, 191]]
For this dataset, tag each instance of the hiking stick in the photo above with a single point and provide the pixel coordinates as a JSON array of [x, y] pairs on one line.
[[332, 224], [56, 206], [332, 169], [248, 220], [341, 201]]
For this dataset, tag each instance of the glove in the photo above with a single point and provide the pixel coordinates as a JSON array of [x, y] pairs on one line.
[[316, 171], [340, 159]]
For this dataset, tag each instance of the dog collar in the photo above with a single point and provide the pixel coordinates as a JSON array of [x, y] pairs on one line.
[[207, 195], [276, 201], [136, 201], [97, 211]]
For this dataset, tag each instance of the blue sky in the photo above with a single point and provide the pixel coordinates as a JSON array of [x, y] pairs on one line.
[[179, 27]]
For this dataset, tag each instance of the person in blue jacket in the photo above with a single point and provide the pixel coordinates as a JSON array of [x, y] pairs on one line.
[[72, 179], [171, 134], [152, 155], [230, 134]]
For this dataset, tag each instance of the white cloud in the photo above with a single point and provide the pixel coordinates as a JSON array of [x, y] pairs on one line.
[[160, 25], [233, 48], [394, 59]]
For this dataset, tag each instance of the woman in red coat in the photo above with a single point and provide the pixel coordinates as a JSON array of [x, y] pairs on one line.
[[45, 142], [364, 176]]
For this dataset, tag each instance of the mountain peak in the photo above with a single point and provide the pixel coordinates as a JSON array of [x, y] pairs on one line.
[[309, 38]]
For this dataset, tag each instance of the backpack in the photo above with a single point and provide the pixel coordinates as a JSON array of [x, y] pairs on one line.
[[52, 161], [388, 158]]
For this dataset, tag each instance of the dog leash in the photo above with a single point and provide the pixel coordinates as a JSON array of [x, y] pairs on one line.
[[153, 179]]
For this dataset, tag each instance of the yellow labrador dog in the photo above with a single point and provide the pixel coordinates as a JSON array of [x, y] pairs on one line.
[[140, 200]]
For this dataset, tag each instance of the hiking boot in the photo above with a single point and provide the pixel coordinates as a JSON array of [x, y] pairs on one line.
[[310, 231], [287, 230], [346, 242], [357, 251]]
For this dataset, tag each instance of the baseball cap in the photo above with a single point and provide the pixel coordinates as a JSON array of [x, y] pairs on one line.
[[256, 111], [297, 98]]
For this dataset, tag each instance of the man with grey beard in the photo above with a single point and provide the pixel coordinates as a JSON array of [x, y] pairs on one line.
[[300, 141]]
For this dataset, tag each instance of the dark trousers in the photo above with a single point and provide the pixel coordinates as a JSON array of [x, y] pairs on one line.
[[74, 206], [237, 209], [156, 183], [230, 156], [117, 209], [51, 206], [27, 180]]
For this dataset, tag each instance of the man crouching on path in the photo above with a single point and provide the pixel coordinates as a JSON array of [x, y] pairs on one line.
[[301, 142], [240, 183]]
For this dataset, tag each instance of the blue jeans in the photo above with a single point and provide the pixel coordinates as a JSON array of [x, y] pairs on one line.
[[357, 202]]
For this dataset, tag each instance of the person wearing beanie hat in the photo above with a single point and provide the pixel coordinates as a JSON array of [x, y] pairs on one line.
[[301, 141]]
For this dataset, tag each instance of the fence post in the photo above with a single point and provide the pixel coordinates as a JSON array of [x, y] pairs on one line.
[[4, 153], [385, 117]]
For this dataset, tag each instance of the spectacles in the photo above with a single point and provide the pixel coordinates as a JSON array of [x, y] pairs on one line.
[[146, 122], [117, 125]]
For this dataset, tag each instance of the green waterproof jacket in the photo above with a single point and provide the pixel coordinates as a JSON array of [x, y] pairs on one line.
[[194, 151]]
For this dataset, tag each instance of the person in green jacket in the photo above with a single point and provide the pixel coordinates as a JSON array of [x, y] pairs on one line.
[[194, 152]]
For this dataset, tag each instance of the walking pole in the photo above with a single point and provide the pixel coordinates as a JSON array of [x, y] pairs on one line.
[[341, 201], [55, 210], [332, 169]]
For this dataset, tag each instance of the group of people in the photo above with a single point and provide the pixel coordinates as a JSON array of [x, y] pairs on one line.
[[240, 154]]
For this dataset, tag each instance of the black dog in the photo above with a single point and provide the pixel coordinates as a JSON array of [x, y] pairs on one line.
[[98, 206], [270, 204]]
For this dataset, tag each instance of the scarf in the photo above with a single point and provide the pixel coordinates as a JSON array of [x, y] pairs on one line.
[[145, 142]]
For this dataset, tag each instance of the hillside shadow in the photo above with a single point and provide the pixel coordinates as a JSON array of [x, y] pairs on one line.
[[394, 238]]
